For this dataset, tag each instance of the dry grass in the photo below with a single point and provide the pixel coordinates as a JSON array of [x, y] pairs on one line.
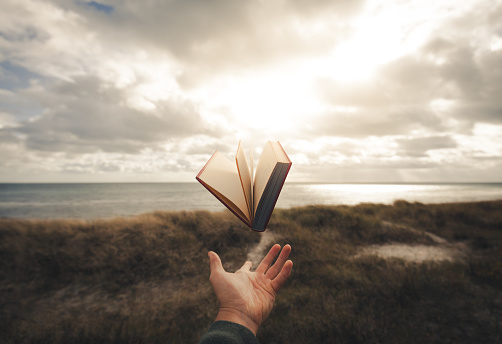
[[145, 279]]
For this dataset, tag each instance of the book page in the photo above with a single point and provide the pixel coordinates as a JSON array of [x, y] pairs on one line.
[[279, 152], [222, 175], [245, 177], [264, 170], [230, 205]]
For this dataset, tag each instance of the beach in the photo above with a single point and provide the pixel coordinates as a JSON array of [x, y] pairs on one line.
[[366, 273]]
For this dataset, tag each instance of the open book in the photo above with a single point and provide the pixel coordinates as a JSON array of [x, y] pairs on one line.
[[250, 196]]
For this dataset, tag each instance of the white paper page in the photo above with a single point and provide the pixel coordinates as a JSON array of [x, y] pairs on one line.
[[245, 177], [264, 170], [221, 174]]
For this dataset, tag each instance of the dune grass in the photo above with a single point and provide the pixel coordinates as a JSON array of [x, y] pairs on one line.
[[144, 279]]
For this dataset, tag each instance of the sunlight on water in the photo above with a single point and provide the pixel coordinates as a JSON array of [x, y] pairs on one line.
[[302, 194], [366, 188]]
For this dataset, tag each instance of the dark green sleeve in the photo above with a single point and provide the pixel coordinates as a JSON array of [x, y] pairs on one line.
[[227, 332]]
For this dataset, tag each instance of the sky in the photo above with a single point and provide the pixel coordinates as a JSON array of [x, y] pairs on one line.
[[356, 91]]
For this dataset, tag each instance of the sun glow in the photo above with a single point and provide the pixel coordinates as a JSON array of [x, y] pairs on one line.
[[270, 99], [381, 34], [359, 57], [284, 95], [374, 42]]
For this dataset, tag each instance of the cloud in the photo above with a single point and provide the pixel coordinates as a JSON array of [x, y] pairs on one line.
[[89, 115], [206, 38], [15, 77], [382, 88], [402, 95], [418, 147], [188, 28], [360, 122]]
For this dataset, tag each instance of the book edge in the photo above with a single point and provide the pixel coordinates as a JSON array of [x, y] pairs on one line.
[[285, 154], [205, 165]]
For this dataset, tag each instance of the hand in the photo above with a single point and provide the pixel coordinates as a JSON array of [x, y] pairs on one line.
[[247, 297]]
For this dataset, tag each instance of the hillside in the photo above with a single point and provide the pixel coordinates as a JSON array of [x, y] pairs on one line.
[[371, 273]]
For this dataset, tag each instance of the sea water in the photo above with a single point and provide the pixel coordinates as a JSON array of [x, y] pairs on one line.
[[106, 200]]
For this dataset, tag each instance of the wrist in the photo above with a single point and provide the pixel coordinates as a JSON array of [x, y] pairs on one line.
[[233, 315]]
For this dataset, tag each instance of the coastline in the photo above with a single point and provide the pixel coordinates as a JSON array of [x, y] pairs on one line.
[[110, 200]]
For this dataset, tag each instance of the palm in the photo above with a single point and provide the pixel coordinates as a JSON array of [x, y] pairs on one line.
[[251, 294], [246, 292]]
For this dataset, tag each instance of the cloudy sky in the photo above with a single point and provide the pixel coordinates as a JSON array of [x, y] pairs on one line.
[[355, 91]]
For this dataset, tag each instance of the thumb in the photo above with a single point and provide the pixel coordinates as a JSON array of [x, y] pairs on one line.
[[215, 262]]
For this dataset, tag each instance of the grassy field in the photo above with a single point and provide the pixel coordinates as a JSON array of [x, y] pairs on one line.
[[145, 279]]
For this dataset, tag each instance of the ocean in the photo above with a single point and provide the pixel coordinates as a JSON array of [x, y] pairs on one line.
[[107, 200]]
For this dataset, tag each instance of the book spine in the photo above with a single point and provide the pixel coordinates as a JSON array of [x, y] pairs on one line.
[[282, 184]]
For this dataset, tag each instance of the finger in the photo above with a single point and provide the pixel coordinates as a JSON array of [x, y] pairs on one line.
[[215, 263], [247, 265], [279, 263], [269, 258], [283, 276]]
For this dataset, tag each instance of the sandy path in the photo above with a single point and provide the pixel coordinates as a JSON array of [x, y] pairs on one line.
[[443, 251], [257, 253], [413, 253]]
